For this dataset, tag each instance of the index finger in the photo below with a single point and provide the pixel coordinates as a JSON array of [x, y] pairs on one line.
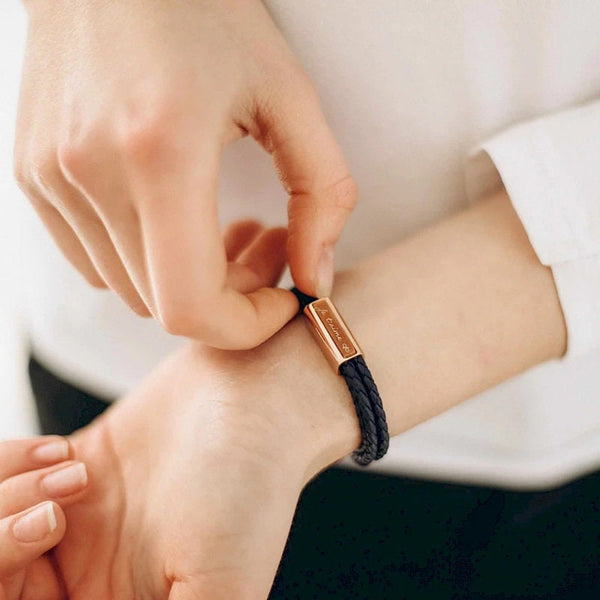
[[187, 261]]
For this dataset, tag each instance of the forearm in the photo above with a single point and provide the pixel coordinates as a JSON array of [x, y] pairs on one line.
[[209, 455], [452, 311]]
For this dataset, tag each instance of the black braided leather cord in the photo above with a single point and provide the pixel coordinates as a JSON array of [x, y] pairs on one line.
[[303, 298], [355, 370], [367, 451], [367, 402]]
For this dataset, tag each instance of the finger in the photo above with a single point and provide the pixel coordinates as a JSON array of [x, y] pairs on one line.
[[66, 240], [86, 225], [261, 264], [63, 483], [262, 312], [27, 535], [186, 256], [101, 249], [292, 127], [192, 294], [238, 236], [266, 255], [18, 456], [100, 178]]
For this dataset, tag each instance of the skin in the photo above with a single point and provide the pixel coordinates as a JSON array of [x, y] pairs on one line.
[[23, 565], [194, 477], [119, 140]]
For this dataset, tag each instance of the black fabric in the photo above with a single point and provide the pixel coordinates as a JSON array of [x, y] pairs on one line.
[[61, 407], [361, 535]]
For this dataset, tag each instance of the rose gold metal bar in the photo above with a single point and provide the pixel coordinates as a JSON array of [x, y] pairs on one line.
[[332, 333]]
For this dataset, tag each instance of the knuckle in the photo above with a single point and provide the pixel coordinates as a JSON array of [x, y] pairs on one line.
[[141, 138], [173, 322], [4, 493], [80, 140], [43, 174], [19, 162], [170, 319], [20, 173], [181, 321], [72, 155], [33, 172], [344, 192]]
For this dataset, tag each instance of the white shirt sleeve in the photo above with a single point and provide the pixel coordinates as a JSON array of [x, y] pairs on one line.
[[550, 168]]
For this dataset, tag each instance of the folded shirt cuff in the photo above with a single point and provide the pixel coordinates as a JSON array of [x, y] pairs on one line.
[[550, 168], [578, 286]]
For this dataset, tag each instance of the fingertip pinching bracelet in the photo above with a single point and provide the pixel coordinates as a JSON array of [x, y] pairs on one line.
[[346, 357]]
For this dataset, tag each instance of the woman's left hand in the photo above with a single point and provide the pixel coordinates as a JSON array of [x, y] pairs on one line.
[[194, 478]]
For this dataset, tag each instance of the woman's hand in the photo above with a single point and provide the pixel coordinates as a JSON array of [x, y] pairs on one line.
[[125, 108], [38, 479], [194, 478]]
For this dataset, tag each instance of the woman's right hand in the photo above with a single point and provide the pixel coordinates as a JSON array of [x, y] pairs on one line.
[[125, 109], [37, 479]]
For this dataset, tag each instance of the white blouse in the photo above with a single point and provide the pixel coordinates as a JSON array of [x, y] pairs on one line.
[[434, 104]]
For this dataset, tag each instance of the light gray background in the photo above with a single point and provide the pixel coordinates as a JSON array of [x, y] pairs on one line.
[[16, 411]]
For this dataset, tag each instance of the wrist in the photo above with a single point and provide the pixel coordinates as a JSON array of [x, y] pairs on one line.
[[325, 416], [290, 384], [281, 404]]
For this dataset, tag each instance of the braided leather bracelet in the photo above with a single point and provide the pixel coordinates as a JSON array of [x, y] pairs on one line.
[[342, 351]]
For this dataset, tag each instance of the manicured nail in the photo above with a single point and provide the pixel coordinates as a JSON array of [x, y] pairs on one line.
[[36, 524], [66, 481], [52, 452], [325, 272]]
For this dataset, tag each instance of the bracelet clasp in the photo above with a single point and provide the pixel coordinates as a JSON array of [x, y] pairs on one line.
[[331, 332]]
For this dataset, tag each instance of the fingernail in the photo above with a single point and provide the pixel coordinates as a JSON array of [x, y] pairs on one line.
[[36, 524], [325, 272], [52, 451], [67, 481]]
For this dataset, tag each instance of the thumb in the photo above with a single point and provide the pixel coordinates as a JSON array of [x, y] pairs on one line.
[[313, 171]]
